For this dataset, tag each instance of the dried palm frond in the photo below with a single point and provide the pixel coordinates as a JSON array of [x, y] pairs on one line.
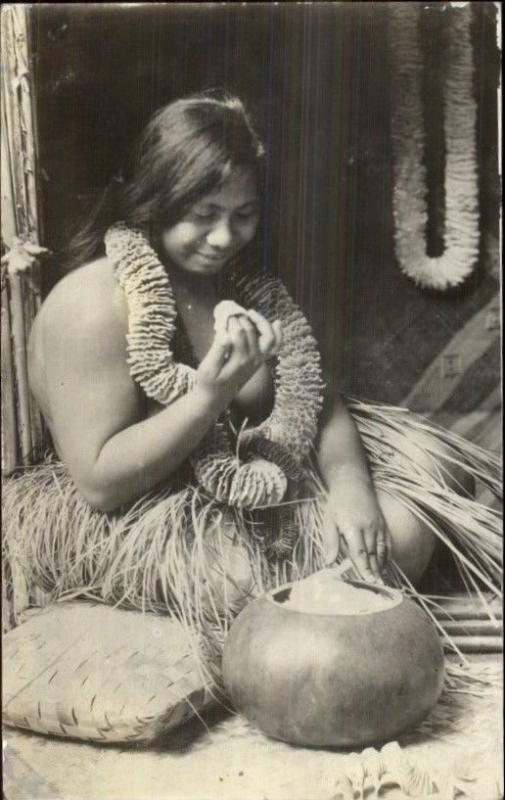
[[181, 552], [387, 430]]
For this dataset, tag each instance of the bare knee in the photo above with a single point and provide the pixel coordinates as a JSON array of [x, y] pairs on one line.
[[229, 568], [413, 541]]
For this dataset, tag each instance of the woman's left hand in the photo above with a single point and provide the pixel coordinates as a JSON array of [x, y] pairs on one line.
[[354, 520]]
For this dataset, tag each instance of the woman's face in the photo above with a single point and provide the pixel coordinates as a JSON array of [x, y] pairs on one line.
[[216, 227]]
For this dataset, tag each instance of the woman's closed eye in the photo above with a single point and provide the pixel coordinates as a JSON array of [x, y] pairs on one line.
[[247, 213], [205, 214], [209, 214]]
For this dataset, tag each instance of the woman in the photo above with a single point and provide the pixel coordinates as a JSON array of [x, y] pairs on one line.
[[149, 399]]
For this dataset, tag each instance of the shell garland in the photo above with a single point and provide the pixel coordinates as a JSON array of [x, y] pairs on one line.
[[270, 453], [292, 425], [461, 237], [367, 773], [151, 315]]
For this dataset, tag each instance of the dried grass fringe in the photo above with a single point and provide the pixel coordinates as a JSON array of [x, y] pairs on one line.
[[168, 553]]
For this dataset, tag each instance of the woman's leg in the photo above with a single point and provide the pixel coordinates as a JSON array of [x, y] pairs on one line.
[[414, 541], [229, 574]]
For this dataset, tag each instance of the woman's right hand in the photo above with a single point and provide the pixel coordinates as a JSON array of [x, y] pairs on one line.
[[236, 355]]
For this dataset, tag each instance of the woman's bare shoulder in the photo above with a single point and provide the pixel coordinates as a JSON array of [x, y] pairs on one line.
[[82, 324], [89, 298]]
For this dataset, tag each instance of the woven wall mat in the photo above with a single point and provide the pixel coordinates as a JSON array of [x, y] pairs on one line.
[[94, 672]]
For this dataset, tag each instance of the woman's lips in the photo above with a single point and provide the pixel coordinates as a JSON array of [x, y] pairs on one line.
[[212, 257]]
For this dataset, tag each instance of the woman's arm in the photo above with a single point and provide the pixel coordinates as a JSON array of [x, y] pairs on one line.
[[97, 414], [353, 515], [112, 451], [341, 454]]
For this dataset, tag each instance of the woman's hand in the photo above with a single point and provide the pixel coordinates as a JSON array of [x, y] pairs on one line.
[[354, 520], [236, 355]]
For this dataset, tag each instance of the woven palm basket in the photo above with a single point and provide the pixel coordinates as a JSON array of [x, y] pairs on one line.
[[104, 674]]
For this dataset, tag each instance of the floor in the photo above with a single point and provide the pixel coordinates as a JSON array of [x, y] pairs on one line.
[[230, 759]]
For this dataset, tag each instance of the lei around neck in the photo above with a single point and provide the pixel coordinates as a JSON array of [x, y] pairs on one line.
[[270, 456]]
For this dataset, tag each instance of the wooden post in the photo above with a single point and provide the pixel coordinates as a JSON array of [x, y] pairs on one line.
[[20, 219], [9, 438], [18, 307]]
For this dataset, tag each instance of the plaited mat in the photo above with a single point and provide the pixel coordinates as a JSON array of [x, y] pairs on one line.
[[98, 673], [229, 759]]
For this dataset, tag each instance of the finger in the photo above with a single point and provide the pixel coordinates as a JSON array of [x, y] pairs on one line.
[[267, 337], [238, 338], [370, 535], [277, 329], [222, 313], [358, 554], [382, 551], [218, 353], [389, 547], [251, 333], [331, 539], [384, 546], [374, 566]]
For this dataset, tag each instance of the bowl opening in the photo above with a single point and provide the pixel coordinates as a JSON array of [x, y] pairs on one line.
[[282, 595], [387, 597]]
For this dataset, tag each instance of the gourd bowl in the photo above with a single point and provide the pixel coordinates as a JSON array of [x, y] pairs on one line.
[[333, 679]]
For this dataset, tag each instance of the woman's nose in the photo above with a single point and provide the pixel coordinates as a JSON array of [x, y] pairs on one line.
[[221, 235]]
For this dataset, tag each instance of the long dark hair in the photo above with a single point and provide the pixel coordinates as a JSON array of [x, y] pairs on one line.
[[186, 150]]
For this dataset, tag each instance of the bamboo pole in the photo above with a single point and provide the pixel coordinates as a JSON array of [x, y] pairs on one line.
[[479, 644], [33, 116], [20, 31], [31, 292], [11, 141], [472, 627], [19, 176], [21, 369], [12, 121], [9, 438], [9, 226], [462, 613], [10, 454], [36, 423], [15, 152]]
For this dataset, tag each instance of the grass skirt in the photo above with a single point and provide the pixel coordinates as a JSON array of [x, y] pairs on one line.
[[177, 551]]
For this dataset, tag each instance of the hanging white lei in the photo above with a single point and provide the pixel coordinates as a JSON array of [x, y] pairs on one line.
[[271, 454], [461, 236]]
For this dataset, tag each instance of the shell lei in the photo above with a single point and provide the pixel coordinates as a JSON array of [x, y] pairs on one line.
[[461, 236], [271, 454], [368, 772]]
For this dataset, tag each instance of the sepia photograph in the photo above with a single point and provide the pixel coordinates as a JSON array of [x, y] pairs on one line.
[[251, 419]]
